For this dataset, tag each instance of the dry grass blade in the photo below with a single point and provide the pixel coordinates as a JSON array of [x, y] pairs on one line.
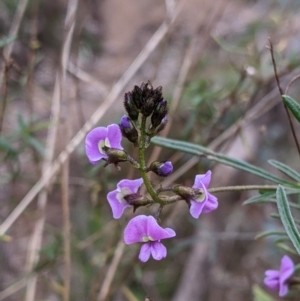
[[36, 241], [111, 271], [12, 289], [111, 98], [85, 77]]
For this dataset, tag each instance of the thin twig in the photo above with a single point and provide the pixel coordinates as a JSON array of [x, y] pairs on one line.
[[100, 112], [281, 93]]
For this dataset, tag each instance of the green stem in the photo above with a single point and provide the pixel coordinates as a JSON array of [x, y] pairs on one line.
[[143, 167]]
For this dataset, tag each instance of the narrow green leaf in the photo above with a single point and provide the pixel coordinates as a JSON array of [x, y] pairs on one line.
[[269, 233], [35, 144], [7, 40], [287, 218], [277, 216], [293, 106], [198, 150], [286, 248], [286, 169], [259, 198]]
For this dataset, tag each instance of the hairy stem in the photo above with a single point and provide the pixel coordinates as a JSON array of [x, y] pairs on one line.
[[143, 168]]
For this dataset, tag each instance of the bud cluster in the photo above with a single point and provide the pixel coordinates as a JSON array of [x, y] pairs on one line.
[[147, 102]]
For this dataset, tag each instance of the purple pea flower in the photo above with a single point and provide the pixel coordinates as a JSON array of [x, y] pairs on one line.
[[116, 198], [145, 229], [277, 280], [99, 138], [206, 202]]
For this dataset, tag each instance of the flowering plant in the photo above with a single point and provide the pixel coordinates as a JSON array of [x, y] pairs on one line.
[[146, 117]]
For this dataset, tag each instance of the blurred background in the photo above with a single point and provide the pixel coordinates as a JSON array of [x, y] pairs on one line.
[[65, 66]]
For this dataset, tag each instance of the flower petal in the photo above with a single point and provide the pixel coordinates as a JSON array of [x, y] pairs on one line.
[[272, 284], [286, 271], [145, 252], [272, 274], [136, 229], [287, 267], [91, 144], [283, 289], [158, 250], [210, 204], [117, 207], [196, 208], [205, 179], [156, 232], [114, 136], [132, 185]]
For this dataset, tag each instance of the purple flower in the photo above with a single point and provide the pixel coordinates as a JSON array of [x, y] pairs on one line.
[[99, 138], [145, 229], [117, 199], [206, 202], [277, 280]]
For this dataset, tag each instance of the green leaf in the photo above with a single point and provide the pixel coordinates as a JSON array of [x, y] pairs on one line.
[[260, 198], [35, 144], [7, 40], [277, 216], [287, 218], [293, 106], [198, 150], [286, 169], [260, 295], [269, 233], [286, 248]]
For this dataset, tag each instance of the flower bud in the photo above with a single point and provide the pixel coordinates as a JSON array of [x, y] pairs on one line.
[[162, 169], [159, 113], [130, 107], [187, 193], [148, 106], [137, 97], [162, 124], [115, 156], [128, 130]]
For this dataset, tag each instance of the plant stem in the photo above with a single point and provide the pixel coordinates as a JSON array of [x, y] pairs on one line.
[[243, 188], [143, 167]]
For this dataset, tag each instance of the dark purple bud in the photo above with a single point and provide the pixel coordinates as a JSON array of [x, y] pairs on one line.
[[148, 106], [130, 107], [162, 169], [137, 97], [159, 113], [128, 130]]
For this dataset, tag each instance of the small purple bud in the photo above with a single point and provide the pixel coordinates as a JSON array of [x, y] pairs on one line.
[[125, 122], [162, 169], [128, 130]]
